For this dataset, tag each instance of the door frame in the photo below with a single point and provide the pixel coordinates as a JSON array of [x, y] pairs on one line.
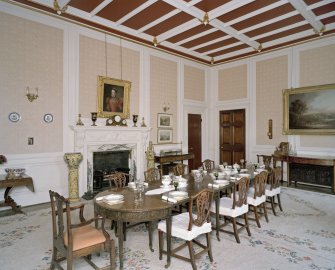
[[203, 111], [227, 106]]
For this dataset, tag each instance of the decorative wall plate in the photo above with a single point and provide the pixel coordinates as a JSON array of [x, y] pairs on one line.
[[14, 117], [48, 118]]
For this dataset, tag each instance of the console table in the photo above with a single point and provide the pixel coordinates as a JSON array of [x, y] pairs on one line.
[[312, 170], [164, 159], [24, 180]]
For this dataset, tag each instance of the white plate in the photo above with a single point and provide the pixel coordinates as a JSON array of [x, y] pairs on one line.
[[14, 117], [166, 187], [243, 175], [178, 193], [114, 197], [221, 182], [48, 118]]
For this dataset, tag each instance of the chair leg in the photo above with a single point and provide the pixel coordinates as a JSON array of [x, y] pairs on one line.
[[112, 255], [273, 205], [265, 212], [69, 261], [279, 203], [160, 244], [150, 225], [124, 231], [235, 230], [190, 248], [247, 224], [256, 216], [54, 258], [209, 246]]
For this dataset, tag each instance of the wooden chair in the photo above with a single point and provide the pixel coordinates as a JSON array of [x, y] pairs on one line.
[[208, 165], [180, 169], [267, 160], [70, 240], [116, 179], [257, 198], [233, 208], [273, 189], [152, 174], [188, 226]]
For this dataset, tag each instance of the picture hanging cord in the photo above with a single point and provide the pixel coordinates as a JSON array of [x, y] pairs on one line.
[[106, 52]]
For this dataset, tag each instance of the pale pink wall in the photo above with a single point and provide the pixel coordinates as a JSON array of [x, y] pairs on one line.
[[31, 55], [194, 83], [163, 88]]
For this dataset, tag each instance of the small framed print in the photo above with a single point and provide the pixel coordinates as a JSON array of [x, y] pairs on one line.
[[48, 118], [164, 120], [164, 136]]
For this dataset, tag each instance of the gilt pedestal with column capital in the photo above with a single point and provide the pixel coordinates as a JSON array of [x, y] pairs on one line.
[[73, 160]]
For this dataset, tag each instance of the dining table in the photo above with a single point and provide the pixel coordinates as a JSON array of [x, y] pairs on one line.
[[153, 207]]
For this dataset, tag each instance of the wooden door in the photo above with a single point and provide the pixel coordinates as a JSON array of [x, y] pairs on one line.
[[232, 136], [194, 140]]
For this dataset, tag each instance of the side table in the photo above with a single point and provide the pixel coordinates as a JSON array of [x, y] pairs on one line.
[[24, 180]]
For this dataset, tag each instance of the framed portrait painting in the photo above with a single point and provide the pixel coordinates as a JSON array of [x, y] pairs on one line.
[[164, 135], [164, 120], [113, 97], [309, 110]]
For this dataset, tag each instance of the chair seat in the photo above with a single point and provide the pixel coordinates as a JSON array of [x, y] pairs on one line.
[[251, 200], [180, 224], [226, 208], [84, 237], [272, 192]]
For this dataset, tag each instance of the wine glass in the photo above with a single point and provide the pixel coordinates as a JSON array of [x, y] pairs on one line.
[[94, 116], [175, 184], [135, 118], [216, 175]]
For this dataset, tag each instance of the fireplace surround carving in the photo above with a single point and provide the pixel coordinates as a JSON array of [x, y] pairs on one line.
[[88, 139]]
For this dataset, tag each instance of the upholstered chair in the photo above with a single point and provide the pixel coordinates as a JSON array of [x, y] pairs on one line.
[[272, 190], [71, 241], [188, 226], [234, 207], [208, 165]]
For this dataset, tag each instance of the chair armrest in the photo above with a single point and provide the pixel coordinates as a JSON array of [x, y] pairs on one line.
[[81, 211]]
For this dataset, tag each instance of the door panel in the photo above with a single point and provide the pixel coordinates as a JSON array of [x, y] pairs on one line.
[[232, 136], [194, 140]]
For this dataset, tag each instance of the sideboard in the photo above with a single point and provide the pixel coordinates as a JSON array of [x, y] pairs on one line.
[[166, 161], [312, 170]]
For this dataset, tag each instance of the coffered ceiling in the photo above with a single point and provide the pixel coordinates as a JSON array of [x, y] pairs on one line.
[[235, 28]]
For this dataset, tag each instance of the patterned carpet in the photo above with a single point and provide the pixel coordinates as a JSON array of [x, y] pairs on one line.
[[301, 237]]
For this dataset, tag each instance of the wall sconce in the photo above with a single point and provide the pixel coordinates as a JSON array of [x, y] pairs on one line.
[[270, 129], [205, 20], [32, 96], [166, 107]]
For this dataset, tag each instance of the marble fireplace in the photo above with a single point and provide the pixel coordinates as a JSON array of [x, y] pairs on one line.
[[89, 140]]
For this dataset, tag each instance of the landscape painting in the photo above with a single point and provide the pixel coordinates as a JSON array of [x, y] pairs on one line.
[[309, 110]]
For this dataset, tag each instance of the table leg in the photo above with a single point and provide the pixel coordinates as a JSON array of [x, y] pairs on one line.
[[217, 216], [9, 201], [120, 238], [150, 235], [168, 241]]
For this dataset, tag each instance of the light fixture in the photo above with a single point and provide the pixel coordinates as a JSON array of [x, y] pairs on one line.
[[58, 9], [205, 20], [155, 42], [321, 31], [212, 60], [32, 96], [270, 129], [259, 49], [166, 107]]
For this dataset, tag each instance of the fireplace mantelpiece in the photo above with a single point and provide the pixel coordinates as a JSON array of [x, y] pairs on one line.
[[89, 139]]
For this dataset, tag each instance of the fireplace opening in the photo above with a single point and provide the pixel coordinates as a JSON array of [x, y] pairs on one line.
[[107, 162]]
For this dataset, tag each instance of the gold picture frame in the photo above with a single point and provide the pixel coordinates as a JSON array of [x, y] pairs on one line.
[[309, 110], [113, 97]]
